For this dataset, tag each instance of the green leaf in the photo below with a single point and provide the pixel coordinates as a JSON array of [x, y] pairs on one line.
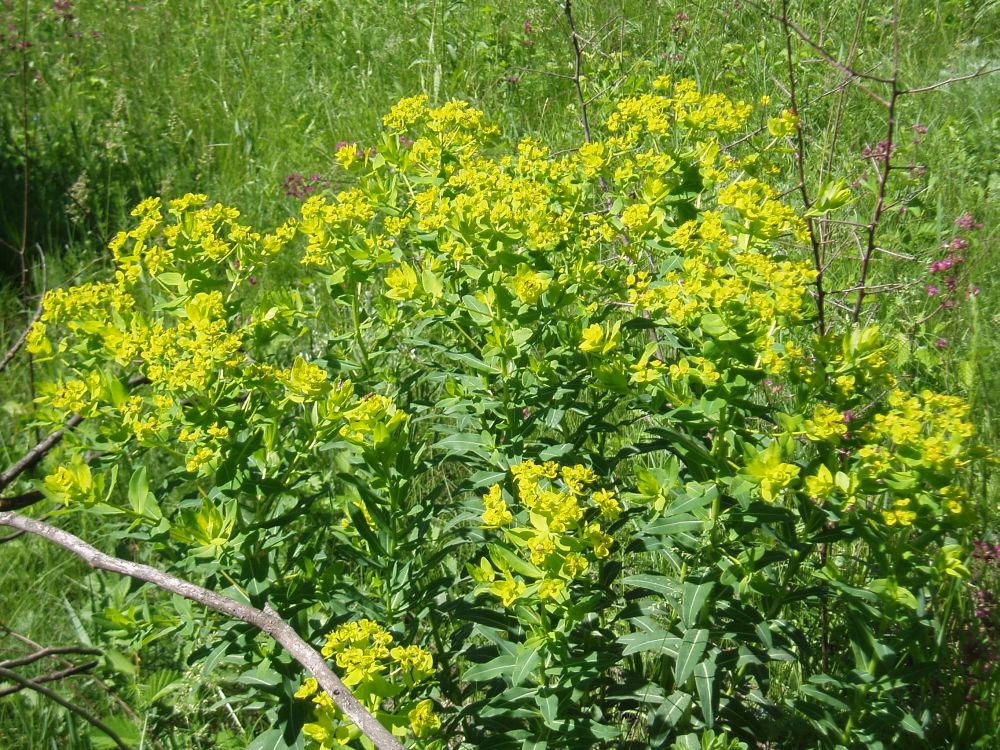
[[477, 310], [814, 692], [693, 598], [673, 708], [274, 739], [549, 706], [555, 451], [714, 325], [650, 582], [674, 525], [498, 667], [691, 648], [462, 444], [507, 560], [911, 725], [526, 663], [659, 642], [431, 283], [704, 676]]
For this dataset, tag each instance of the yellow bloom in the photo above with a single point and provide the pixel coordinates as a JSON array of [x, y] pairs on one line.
[[423, 720], [597, 340], [530, 285]]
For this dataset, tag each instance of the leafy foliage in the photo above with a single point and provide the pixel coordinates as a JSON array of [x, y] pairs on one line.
[[555, 421]]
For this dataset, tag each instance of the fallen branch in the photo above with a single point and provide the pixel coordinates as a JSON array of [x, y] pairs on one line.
[[16, 346], [52, 651], [265, 619], [49, 677], [36, 454], [8, 674]]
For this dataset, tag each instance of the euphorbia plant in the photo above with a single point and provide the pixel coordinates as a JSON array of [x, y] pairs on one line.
[[557, 421]]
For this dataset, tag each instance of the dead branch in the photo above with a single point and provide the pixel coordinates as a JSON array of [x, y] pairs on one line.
[[8, 674], [983, 71], [51, 651], [16, 346], [265, 619], [50, 677], [578, 69]]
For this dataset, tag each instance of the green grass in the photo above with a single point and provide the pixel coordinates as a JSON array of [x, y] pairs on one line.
[[231, 97]]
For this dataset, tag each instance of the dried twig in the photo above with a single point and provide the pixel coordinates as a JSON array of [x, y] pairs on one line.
[[36, 454], [578, 69], [983, 71], [8, 674], [50, 677], [16, 346], [800, 157], [265, 619], [886, 167], [45, 652], [93, 679]]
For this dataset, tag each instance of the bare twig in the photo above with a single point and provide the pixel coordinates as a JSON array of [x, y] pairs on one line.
[[11, 537], [51, 651], [16, 346], [36, 454], [50, 677], [800, 157], [830, 58], [8, 674], [265, 619], [886, 167], [93, 679], [578, 69], [983, 71]]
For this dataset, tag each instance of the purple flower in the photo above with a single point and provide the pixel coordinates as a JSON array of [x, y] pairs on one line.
[[967, 223], [919, 129], [941, 343], [932, 291], [941, 265]]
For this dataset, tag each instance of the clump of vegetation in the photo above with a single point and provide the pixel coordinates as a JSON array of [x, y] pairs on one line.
[[610, 445]]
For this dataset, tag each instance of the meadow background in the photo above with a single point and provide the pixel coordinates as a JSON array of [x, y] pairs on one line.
[[104, 103]]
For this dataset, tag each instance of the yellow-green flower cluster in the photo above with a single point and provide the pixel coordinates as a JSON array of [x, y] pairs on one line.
[[72, 483], [564, 532], [916, 445], [376, 671], [772, 472]]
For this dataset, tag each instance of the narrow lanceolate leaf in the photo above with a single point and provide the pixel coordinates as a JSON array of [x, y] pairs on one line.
[[659, 642], [674, 706], [549, 706], [704, 677], [689, 653], [693, 598], [527, 662], [502, 665], [673, 525], [658, 584], [462, 444]]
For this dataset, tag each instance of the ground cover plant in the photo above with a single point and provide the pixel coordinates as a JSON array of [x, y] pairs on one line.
[[588, 435]]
